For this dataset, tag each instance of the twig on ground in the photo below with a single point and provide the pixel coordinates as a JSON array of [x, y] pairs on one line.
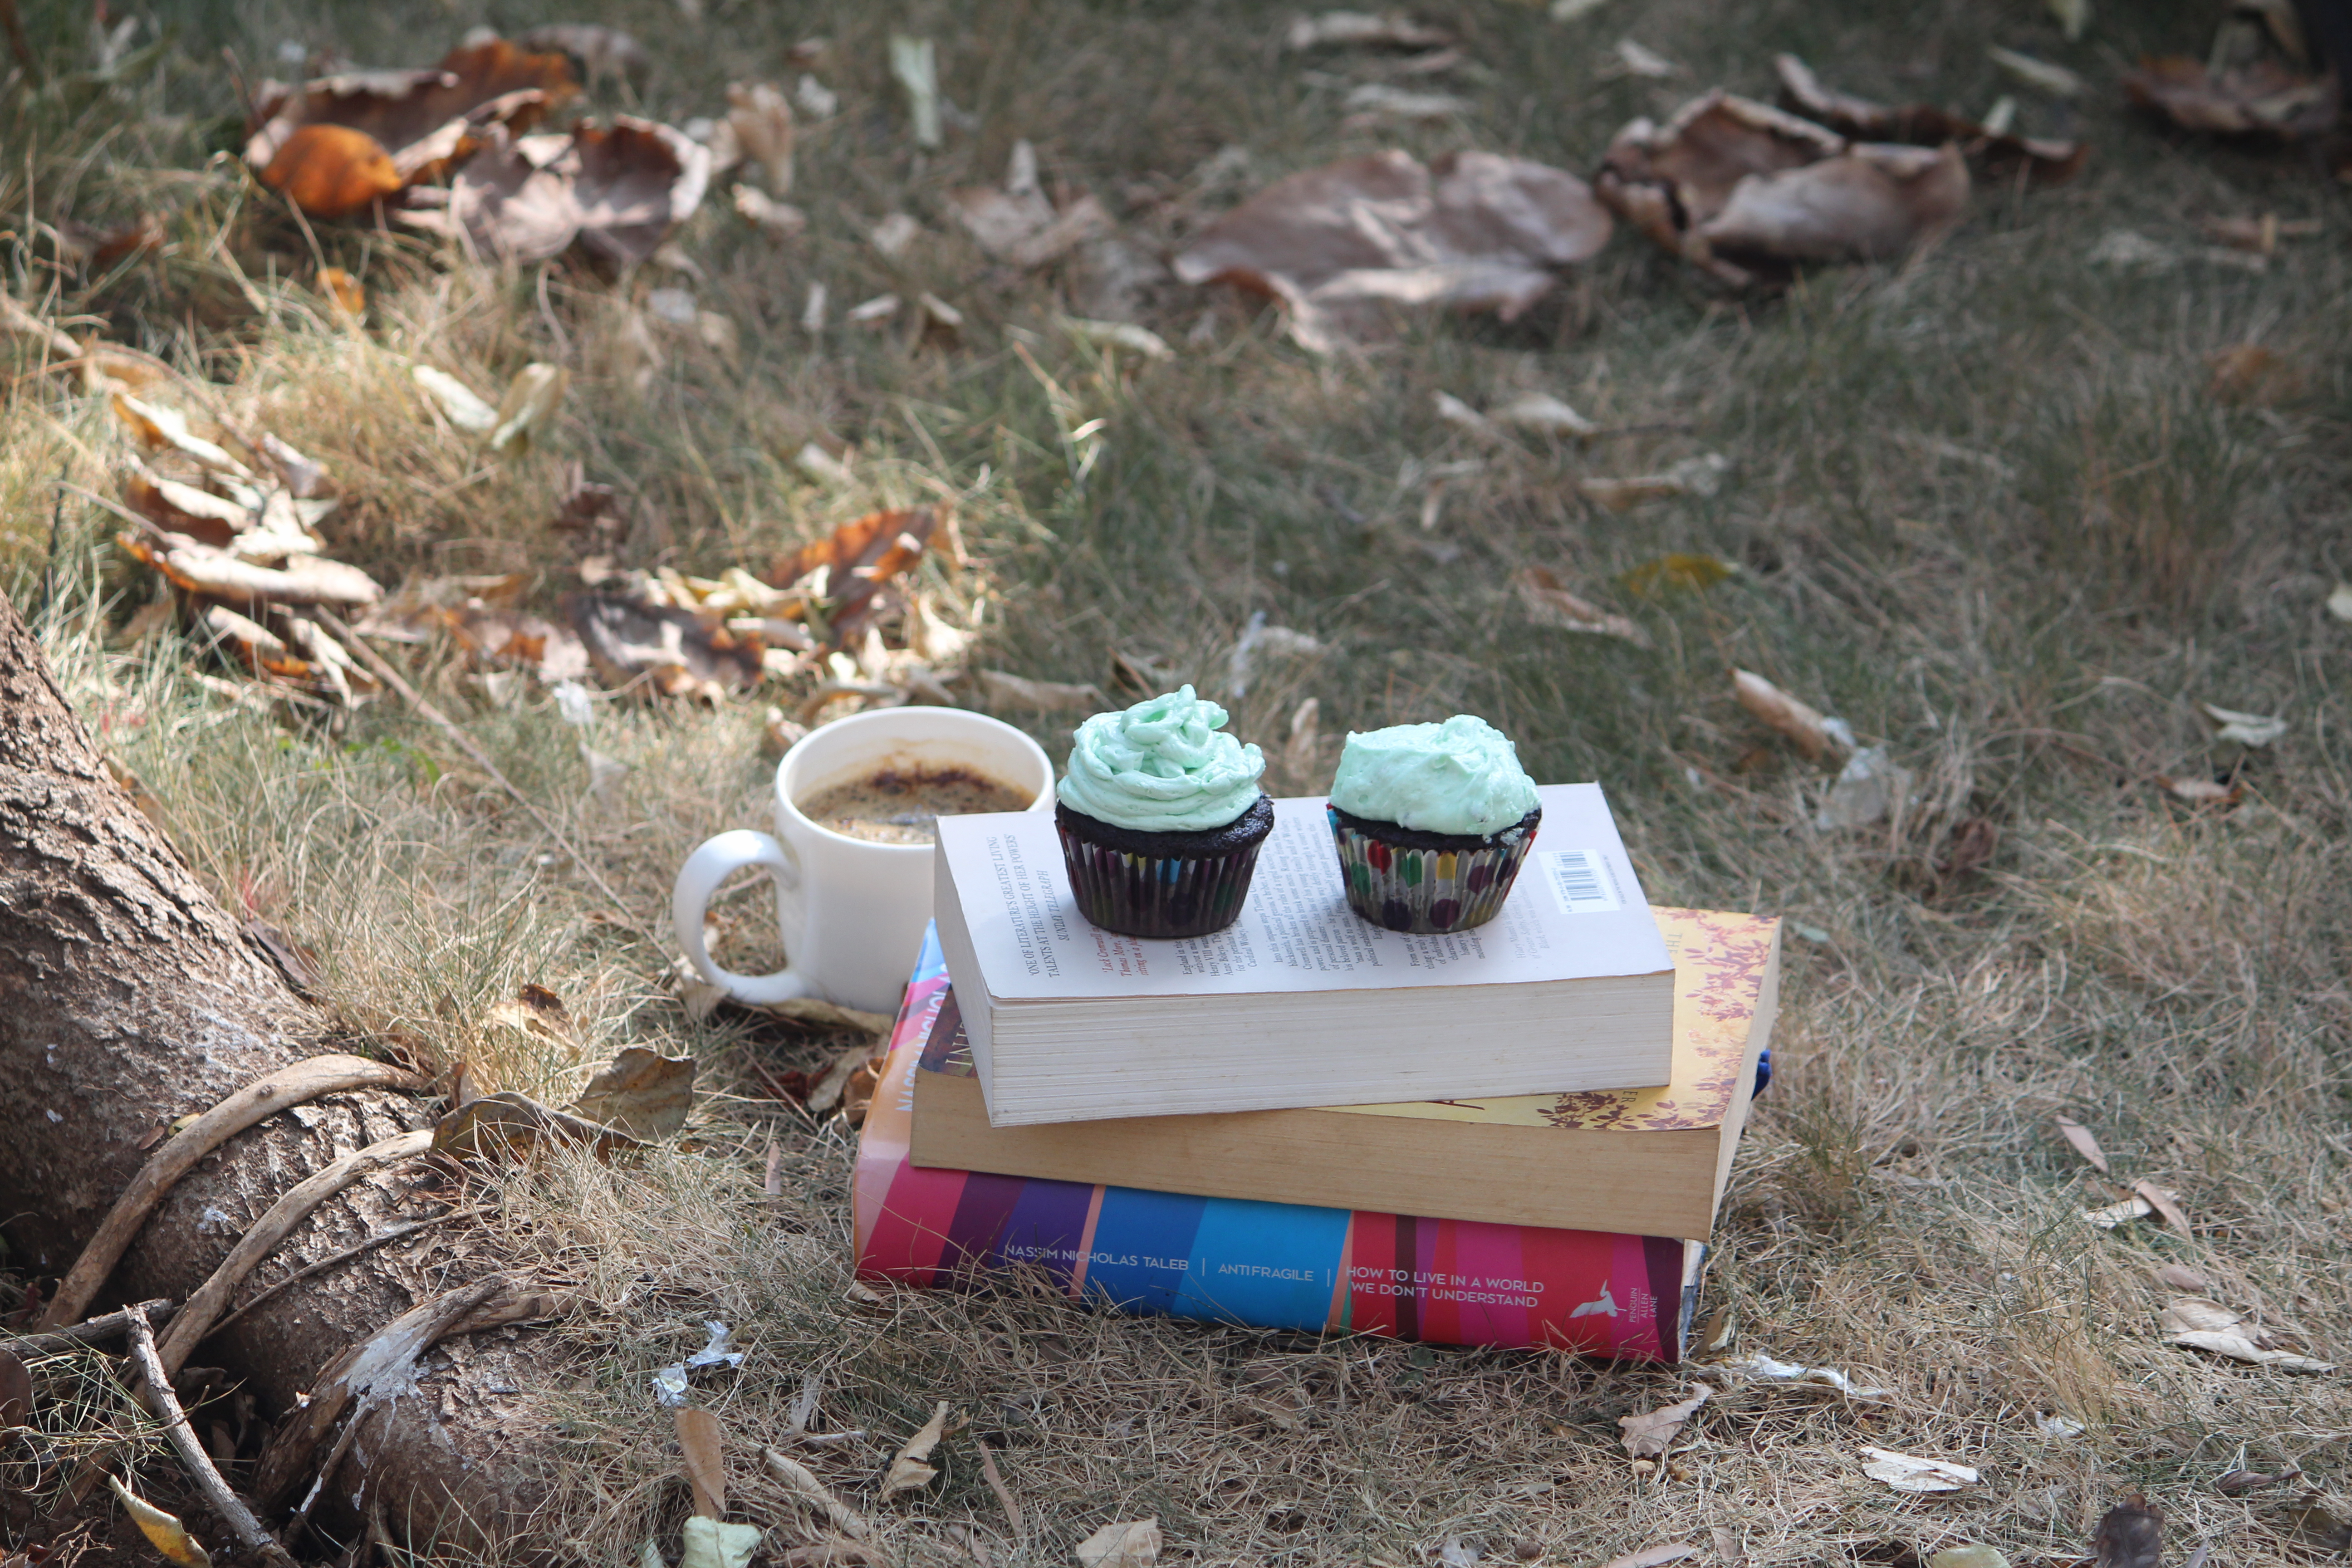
[[416, 699], [1004, 1493], [337, 1259], [251, 1536], [54, 1340]]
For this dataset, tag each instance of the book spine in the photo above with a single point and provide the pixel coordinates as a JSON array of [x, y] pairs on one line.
[[1285, 1266]]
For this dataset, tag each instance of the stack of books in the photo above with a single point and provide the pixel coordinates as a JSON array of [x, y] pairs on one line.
[[1516, 1136]]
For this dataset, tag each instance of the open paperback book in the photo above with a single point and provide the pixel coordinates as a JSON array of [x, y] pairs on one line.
[[1301, 1002], [1288, 1266], [1649, 1161]]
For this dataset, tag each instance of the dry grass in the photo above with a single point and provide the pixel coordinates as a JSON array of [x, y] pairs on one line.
[[1984, 504]]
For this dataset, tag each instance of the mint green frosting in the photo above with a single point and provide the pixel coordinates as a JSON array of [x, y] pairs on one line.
[[1161, 766], [1460, 776]]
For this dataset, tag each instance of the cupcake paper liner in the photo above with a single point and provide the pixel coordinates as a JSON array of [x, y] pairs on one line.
[[1426, 892], [1157, 895]]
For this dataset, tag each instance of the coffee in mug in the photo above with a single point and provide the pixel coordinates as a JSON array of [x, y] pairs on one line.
[[904, 804]]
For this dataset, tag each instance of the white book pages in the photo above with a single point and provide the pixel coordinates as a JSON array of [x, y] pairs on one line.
[[1576, 912]]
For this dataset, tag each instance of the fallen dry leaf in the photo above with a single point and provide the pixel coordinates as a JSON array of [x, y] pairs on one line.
[[1647, 1433], [1746, 190], [704, 1443], [1392, 29], [1017, 224], [1544, 415], [2042, 76], [909, 1469], [164, 1530], [1911, 1473], [805, 1487], [2263, 98], [2085, 1144], [642, 1092], [2246, 729], [337, 144], [1636, 60], [2196, 1314], [2165, 1202], [511, 1125], [1343, 245], [631, 642], [2238, 1483], [531, 396], [761, 119], [1001, 690], [618, 193], [1550, 603], [781, 220], [2203, 791], [2114, 1215], [859, 560], [1808, 730], [1654, 1556], [1695, 476], [915, 63], [2313, 1524], [1120, 334], [1130, 1543], [1375, 102], [2183, 1277], [1996, 153], [2238, 1347], [159, 428], [2130, 1535], [218, 575]]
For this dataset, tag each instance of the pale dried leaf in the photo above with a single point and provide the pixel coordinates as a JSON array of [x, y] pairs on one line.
[[1460, 415], [1130, 1543], [915, 63], [781, 220], [220, 574], [1375, 101], [1001, 690], [2340, 602], [1345, 246], [2238, 1347], [704, 1443], [1762, 1365], [1392, 29], [1912, 1473], [803, 1484], [1647, 1433], [2042, 76], [2246, 729], [1806, 727], [1550, 603], [1972, 1556], [2203, 791], [1699, 476], [1989, 147], [2114, 1215], [158, 427], [1654, 1556], [2085, 1144], [2165, 1202], [707, 1543], [458, 403], [1634, 60], [2073, 16], [1120, 334], [2263, 98], [872, 313], [1545, 415], [2183, 1277], [162, 1530], [531, 398], [761, 119], [910, 1471], [644, 1093], [2237, 1483], [2196, 1314]]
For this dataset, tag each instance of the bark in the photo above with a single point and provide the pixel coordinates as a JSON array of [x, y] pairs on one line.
[[129, 998]]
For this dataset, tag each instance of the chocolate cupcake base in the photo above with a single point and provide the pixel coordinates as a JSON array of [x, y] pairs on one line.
[[1409, 880], [1161, 884]]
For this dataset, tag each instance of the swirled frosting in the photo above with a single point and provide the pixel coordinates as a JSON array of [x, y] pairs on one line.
[[1460, 776], [1164, 765]]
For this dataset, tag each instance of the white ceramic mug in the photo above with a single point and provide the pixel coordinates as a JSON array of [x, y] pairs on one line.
[[852, 911]]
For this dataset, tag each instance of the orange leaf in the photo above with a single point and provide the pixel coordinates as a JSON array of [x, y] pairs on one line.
[[331, 171]]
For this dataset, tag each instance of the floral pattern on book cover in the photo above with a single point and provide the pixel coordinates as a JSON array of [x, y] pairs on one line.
[[1735, 954]]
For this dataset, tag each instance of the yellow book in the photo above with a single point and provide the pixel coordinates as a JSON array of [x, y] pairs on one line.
[[1647, 1161]]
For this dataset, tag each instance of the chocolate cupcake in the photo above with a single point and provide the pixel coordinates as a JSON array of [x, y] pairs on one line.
[[1431, 823], [1160, 819]]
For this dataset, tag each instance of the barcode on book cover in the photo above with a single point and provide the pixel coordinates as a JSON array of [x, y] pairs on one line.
[[1579, 881]]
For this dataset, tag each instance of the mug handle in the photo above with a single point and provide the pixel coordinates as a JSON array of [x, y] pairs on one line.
[[699, 878]]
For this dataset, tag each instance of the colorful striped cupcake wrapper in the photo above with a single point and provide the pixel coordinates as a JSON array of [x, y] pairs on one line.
[[1426, 890], [1157, 896]]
